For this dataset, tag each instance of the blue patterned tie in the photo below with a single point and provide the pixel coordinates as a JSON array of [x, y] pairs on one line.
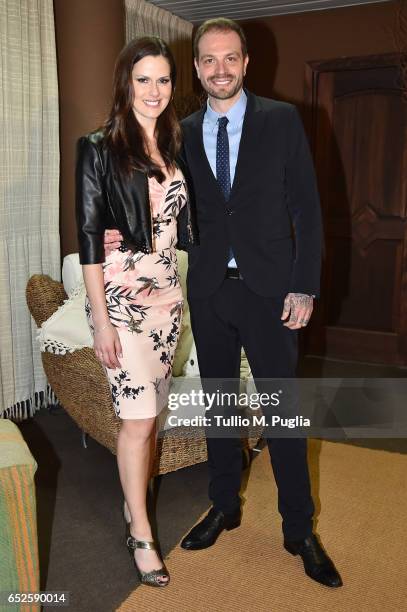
[[223, 163], [222, 157]]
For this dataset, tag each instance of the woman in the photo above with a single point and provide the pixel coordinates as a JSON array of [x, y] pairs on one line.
[[129, 177]]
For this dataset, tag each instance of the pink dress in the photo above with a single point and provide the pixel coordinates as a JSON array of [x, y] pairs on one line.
[[144, 302]]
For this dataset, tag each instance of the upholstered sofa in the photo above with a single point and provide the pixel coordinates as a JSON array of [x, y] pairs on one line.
[[19, 567]]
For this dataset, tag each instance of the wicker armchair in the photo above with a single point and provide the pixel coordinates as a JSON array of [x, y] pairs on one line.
[[81, 387]]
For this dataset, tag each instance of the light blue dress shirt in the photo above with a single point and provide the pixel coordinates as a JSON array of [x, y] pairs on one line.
[[234, 128]]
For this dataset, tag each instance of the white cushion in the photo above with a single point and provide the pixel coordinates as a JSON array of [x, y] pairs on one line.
[[67, 329], [71, 272]]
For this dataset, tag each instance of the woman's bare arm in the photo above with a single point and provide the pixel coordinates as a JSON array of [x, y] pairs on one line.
[[106, 339]]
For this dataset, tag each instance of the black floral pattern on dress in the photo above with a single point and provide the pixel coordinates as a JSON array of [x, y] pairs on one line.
[[156, 384], [149, 283], [133, 326], [121, 307], [175, 198], [173, 279], [167, 259], [158, 223], [131, 260], [168, 343], [120, 389]]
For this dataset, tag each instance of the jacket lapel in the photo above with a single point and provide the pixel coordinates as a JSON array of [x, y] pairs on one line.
[[198, 154], [252, 130]]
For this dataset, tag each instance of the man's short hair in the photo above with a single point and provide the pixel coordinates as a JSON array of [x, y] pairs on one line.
[[220, 24]]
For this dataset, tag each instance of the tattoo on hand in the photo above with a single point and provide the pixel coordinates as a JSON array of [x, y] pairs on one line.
[[300, 300]]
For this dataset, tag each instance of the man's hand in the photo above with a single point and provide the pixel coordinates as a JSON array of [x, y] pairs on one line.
[[299, 306], [112, 240]]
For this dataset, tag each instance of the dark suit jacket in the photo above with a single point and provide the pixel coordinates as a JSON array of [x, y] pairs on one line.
[[272, 220]]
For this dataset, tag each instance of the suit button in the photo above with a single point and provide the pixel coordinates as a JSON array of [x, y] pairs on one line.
[[230, 212]]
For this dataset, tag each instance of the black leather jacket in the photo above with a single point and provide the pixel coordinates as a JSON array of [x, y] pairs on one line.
[[107, 199]]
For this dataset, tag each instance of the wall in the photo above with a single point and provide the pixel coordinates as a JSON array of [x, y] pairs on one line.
[[280, 46], [89, 36]]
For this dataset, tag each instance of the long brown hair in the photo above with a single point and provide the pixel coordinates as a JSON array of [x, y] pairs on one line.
[[123, 133]]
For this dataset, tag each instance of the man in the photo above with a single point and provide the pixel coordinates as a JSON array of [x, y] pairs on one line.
[[247, 286]]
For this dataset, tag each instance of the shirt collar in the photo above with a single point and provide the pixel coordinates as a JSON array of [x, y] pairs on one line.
[[235, 113]]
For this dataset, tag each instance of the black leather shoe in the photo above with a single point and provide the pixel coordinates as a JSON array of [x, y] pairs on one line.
[[205, 533], [317, 564]]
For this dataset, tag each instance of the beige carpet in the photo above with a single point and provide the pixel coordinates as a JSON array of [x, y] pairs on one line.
[[363, 525]]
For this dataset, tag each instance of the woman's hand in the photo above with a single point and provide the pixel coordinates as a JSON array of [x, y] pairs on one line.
[[107, 346]]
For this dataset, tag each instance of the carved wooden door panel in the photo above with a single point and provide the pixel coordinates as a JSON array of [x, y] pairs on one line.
[[358, 134]]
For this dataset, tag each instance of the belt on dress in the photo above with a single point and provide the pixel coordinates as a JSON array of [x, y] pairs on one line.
[[233, 273]]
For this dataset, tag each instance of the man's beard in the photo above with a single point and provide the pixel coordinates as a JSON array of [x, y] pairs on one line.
[[225, 94]]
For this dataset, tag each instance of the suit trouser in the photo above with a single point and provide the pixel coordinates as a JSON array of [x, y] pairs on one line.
[[233, 317]]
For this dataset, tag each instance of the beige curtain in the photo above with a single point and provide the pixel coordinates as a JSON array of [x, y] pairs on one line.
[[29, 199], [145, 19]]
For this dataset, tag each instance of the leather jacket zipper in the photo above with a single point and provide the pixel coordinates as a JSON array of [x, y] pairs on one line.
[[188, 205], [189, 228], [151, 216]]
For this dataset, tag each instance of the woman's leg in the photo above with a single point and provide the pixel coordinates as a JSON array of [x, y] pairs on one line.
[[134, 457]]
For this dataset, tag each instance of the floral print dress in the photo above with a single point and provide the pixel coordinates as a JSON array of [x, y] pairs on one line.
[[144, 302]]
